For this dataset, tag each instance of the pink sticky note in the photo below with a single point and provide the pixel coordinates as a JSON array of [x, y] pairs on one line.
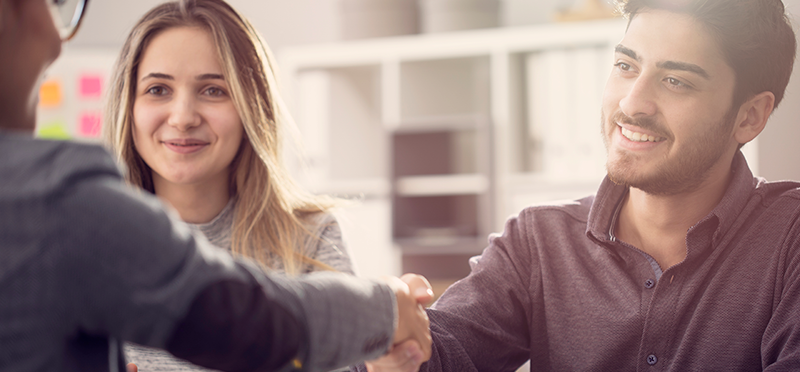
[[90, 86], [89, 124]]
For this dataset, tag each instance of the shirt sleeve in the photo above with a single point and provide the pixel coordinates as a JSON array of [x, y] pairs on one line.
[[780, 346], [481, 322], [137, 274]]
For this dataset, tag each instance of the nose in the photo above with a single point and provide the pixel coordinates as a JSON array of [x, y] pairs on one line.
[[640, 99], [183, 113]]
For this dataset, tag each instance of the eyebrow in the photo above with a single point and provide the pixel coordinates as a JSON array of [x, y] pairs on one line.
[[158, 75], [668, 65], [210, 77]]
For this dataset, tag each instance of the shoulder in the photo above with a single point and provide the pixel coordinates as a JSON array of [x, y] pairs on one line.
[[554, 224], [320, 220], [777, 201], [35, 167], [323, 228], [557, 212], [326, 243], [771, 192]]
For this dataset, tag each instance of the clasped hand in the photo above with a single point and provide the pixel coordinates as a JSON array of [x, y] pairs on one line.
[[412, 338]]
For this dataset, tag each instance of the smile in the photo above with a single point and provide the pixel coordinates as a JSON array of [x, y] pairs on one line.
[[185, 146], [639, 137]]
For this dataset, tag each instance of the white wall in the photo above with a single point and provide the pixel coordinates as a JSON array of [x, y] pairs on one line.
[[779, 152], [292, 22], [281, 22]]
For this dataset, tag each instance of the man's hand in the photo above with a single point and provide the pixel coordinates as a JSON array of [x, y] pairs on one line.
[[405, 357], [420, 288], [132, 367], [412, 339]]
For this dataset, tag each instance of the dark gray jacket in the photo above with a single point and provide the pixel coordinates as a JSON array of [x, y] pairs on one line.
[[86, 262]]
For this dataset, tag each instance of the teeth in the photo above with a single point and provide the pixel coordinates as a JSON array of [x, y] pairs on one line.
[[639, 137]]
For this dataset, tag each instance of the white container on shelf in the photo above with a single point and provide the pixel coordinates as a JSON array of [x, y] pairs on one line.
[[455, 15], [363, 19]]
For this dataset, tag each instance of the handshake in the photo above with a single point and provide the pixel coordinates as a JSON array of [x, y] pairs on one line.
[[411, 345]]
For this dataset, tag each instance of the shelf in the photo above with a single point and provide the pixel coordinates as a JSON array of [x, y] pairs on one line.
[[456, 184], [437, 216], [440, 123], [363, 187], [437, 153], [442, 245], [454, 45], [533, 183]]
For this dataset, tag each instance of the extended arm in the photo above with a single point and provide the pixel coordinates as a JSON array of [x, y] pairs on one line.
[[140, 276], [481, 322]]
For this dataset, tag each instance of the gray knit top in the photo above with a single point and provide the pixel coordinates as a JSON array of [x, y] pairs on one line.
[[326, 246]]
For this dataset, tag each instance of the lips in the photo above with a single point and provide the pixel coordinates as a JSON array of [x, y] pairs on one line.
[[185, 145]]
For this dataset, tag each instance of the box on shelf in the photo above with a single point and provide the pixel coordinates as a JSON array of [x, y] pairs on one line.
[[455, 15], [378, 18]]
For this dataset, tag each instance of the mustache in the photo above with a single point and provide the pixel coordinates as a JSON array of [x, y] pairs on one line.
[[648, 123]]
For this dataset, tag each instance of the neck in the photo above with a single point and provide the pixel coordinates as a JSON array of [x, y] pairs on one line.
[[15, 122], [196, 203], [657, 224]]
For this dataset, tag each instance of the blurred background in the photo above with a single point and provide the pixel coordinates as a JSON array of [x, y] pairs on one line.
[[440, 118]]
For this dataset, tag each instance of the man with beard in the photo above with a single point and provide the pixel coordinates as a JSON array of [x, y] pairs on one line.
[[682, 261]]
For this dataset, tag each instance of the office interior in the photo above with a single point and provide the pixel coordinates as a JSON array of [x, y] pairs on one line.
[[438, 118]]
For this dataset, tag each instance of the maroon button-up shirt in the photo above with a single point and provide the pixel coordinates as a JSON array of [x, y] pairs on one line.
[[558, 288]]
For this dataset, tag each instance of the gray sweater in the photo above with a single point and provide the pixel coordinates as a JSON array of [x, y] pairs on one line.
[[326, 246], [86, 263]]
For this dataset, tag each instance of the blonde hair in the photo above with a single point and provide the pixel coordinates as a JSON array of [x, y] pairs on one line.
[[270, 208]]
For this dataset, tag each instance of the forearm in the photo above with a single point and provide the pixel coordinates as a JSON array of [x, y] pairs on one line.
[[318, 320]]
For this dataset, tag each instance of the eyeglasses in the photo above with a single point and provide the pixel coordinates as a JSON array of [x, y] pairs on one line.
[[67, 15]]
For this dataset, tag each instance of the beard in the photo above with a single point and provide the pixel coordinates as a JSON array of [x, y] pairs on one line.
[[677, 171]]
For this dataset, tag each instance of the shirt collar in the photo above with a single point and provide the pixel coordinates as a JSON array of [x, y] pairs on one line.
[[605, 208], [735, 199]]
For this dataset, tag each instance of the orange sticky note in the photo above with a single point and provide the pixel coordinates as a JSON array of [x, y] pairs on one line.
[[50, 94], [89, 124], [91, 86]]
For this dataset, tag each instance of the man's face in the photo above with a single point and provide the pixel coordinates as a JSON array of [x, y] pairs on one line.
[[29, 43], [667, 116]]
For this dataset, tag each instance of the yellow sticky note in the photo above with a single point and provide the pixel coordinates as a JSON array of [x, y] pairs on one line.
[[54, 130], [50, 94]]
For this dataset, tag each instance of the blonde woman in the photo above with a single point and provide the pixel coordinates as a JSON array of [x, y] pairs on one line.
[[195, 116]]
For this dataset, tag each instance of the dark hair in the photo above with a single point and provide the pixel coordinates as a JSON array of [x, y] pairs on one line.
[[755, 36]]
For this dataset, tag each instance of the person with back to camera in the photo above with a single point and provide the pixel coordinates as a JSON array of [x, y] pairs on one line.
[[86, 263], [188, 73], [683, 260]]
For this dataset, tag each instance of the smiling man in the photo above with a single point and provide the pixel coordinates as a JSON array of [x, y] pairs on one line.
[[683, 260]]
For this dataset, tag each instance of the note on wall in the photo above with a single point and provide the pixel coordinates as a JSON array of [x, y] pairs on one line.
[[56, 130], [90, 86], [89, 124], [50, 94], [70, 104]]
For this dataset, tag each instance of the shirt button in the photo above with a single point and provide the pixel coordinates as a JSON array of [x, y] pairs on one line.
[[649, 283], [652, 360]]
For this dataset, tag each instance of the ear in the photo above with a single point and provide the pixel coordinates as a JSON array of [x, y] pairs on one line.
[[753, 116]]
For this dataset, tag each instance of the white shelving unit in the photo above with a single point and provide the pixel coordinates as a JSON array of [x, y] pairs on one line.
[[446, 135]]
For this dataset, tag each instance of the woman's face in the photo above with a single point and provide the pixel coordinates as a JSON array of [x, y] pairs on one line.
[[185, 125]]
